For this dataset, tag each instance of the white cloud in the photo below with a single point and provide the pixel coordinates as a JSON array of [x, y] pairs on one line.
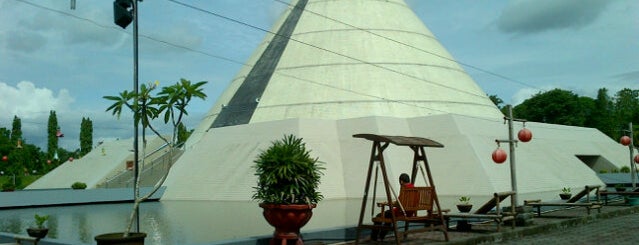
[[539, 15], [28, 101]]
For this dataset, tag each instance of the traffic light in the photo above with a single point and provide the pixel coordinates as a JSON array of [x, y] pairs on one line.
[[123, 12]]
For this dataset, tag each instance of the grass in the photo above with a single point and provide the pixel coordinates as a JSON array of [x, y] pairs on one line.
[[26, 180]]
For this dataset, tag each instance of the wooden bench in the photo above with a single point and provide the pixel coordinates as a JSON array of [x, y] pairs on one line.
[[416, 206], [22, 239], [485, 211], [605, 194], [573, 201]]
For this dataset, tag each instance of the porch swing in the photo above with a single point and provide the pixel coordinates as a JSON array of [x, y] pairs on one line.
[[417, 205]]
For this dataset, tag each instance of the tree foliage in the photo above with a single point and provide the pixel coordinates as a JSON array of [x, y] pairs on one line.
[[16, 130], [52, 138], [86, 136], [555, 106], [610, 115]]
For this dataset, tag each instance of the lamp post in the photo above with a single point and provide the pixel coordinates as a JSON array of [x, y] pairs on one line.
[[524, 135], [629, 141], [125, 11]]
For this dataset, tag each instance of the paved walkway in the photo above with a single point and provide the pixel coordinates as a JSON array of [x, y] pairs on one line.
[[616, 230], [616, 224]]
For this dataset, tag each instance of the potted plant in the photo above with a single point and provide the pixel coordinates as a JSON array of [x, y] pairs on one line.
[[169, 104], [565, 193], [39, 231], [464, 205], [620, 187], [287, 182]]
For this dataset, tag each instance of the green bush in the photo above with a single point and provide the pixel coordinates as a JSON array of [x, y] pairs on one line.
[[8, 187], [603, 171], [625, 169], [79, 185]]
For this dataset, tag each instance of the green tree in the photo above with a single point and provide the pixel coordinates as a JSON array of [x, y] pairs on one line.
[[5, 147], [602, 116], [627, 105], [52, 138], [16, 130], [86, 136], [556, 106], [170, 104], [496, 100]]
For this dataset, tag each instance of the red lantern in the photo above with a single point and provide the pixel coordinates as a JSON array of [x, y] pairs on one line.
[[625, 140], [499, 156], [637, 159], [70, 159], [524, 135], [49, 161], [59, 134], [5, 158]]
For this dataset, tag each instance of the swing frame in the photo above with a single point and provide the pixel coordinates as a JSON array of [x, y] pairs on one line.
[[426, 198]]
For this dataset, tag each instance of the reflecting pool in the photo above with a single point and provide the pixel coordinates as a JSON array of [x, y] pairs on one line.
[[173, 222]]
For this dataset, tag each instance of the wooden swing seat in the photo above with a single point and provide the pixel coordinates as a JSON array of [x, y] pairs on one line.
[[417, 204]]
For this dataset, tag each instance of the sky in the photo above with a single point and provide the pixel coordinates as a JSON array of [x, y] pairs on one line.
[[53, 57]]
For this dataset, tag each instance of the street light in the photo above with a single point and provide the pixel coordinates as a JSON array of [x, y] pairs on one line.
[[125, 11]]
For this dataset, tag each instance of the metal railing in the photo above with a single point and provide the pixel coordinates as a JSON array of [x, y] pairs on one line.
[[151, 171]]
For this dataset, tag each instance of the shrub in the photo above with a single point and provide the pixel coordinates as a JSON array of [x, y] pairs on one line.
[[79, 185], [8, 187], [625, 169]]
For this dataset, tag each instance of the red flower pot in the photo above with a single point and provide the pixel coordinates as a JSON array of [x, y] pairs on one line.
[[287, 220]]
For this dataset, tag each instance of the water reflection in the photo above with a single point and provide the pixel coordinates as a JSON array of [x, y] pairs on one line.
[[172, 222]]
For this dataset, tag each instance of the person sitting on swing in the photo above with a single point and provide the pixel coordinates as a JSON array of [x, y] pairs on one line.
[[404, 181]]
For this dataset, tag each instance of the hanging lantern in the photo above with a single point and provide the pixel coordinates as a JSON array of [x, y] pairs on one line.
[[499, 156], [49, 161], [625, 140], [524, 135], [637, 159], [5, 158], [59, 134], [70, 159], [19, 146]]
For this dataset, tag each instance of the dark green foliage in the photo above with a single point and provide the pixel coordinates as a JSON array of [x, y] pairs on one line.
[[610, 115], [496, 100], [287, 174], [602, 116], [52, 139], [79, 185], [182, 134], [555, 106], [16, 130], [86, 136], [170, 104], [8, 186]]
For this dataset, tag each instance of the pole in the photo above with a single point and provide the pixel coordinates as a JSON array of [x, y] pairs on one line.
[[633, 168], [511, 143], [135, 125]]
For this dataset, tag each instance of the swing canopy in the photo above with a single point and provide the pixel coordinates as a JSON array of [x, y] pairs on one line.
[[401, 140]]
